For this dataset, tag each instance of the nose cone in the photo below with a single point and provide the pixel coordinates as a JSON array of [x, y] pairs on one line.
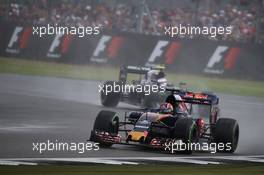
[[136, 135]]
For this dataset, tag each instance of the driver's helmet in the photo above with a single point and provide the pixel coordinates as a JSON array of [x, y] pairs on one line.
[[153, 75], [166, 108], [179, 104]]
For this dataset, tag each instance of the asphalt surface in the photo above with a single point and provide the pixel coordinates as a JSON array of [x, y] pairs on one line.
[[38, 109]]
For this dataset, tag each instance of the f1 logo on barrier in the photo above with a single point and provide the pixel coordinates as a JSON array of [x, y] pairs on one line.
[[19, 39], [60, 45], [107, 47], [164, 49], [215, 64]]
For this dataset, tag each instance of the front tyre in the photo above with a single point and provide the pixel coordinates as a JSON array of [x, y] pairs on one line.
[[106, 121], [186, 130]]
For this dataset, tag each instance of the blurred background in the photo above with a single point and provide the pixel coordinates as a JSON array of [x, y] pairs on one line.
[[132, 33], [143, 16]]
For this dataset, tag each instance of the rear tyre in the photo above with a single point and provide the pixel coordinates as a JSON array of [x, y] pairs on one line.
[[106, 121], [186, 130], [111, 99], [149, 101], [227, 134]]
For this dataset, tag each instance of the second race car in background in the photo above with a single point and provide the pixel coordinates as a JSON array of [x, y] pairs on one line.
[[147, 76]]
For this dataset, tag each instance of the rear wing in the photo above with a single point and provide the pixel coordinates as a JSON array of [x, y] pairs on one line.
[[205, 98], [141, 70]]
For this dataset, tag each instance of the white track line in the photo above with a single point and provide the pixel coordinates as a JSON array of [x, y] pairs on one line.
[[28, 161], [93, 160], [137, 160], [3, 162], [182, 160], [117, 161], [241, 158]]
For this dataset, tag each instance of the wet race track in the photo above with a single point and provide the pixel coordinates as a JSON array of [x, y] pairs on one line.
[[37, 109]]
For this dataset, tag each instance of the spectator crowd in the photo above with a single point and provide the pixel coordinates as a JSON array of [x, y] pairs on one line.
[[247, 24]]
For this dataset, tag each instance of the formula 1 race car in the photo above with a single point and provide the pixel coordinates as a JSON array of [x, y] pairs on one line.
[[187, 118], [148, 90]]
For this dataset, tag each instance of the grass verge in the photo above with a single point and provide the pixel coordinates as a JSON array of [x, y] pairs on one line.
[[131, 170], [88, 72]]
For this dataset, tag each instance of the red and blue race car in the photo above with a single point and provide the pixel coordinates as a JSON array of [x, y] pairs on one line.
[[186, 118]]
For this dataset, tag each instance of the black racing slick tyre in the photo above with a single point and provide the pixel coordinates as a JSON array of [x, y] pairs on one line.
[[186, 130], [227, 134], [109, 99], [106, 121], [149, 101]]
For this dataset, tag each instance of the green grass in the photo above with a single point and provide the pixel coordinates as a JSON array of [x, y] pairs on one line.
[[131, 170], [31, 67], [88, 72]]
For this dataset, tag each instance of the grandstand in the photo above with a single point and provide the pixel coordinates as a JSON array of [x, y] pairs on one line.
[[148, 17]]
